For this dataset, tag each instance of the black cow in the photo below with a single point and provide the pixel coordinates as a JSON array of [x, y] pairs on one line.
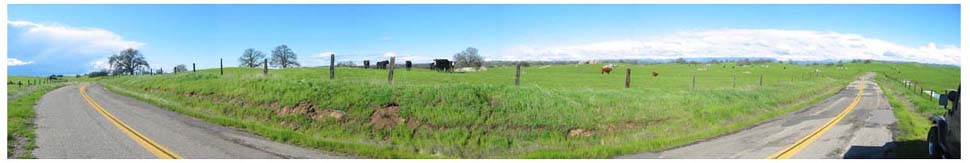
[[442, 65], [366, 64], [382, 64], [407, 65]]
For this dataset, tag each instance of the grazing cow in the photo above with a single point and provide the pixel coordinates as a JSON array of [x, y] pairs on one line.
[[606, 69], [382, 64], [442, 65], [407, 65], [655, 74]]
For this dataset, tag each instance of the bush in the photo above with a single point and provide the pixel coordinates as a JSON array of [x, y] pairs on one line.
[[98, 73]]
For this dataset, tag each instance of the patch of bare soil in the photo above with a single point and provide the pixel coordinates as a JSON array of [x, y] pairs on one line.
[[386, 117], [579, 132], [309, 110], [19, 146], [634, 124], [328, 113]]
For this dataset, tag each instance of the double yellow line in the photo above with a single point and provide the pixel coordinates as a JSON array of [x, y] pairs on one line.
[[804, 142], [155, 148]]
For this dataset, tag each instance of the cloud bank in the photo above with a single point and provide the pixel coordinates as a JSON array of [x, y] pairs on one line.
[[55, 48], [800, 45], [17, 62], [72, 40], [319, 59]]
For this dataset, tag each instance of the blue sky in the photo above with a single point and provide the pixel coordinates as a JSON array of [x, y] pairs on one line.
[[68, 39]]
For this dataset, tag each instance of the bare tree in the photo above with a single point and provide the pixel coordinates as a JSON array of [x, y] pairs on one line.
[[469, 58], [181, 68], [251, 58], [283, 57], [127, 61]]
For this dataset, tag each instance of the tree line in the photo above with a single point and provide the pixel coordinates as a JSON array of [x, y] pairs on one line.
[[131, 61], [281, 57], [128, 61]]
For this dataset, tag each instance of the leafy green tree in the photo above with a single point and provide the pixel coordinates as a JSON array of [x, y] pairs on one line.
[[127, 61]]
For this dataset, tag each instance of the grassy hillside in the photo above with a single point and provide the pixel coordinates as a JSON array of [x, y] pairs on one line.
[[563, 111], [20, 114]]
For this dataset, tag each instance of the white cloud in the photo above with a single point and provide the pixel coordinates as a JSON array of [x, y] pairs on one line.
[[768, 43], [414, 58], [17, 62], [100, 64], [60, 39], [390, 54], [319, 59]]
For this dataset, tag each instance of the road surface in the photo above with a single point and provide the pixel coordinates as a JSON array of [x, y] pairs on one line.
[[100, 124], [832, 128]]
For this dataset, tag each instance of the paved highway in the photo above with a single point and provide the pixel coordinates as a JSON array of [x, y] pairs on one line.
[[855, 123], [86, 121]]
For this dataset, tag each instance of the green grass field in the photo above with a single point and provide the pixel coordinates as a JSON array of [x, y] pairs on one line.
[[17, 90], [562, 111], [20, 114]]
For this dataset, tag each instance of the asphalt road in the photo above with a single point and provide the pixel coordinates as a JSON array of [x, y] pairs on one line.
[[862, 132], [69, 126]]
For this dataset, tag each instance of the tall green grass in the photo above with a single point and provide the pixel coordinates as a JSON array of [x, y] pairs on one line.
[[483, 115]]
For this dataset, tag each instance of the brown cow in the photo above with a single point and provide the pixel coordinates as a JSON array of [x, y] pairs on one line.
[[655, 74], [606, 69]]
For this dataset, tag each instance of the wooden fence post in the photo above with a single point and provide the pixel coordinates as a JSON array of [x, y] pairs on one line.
[[518, 69], [221, 72], [265, 67], [735, 85], [761, 82], [693, 82], [390, 72], [627, 77], [331, 65]]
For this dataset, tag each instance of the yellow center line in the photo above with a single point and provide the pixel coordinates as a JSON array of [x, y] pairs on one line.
[[155, 148], [804, 142]]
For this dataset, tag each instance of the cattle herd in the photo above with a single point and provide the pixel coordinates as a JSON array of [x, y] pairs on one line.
[[442, 65], [449, 66], [438, 64]]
